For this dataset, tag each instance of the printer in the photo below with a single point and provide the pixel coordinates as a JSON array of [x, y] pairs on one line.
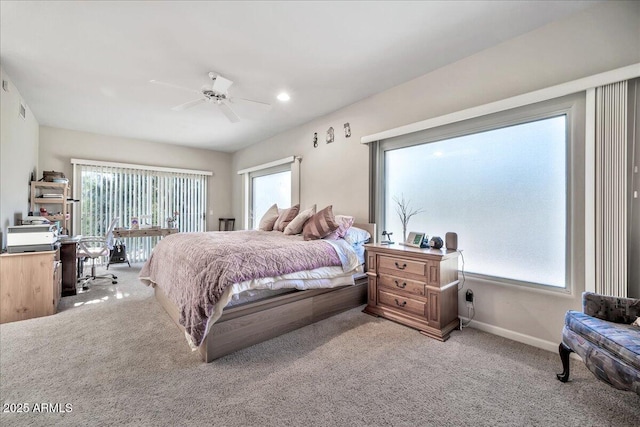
[[32, 238]]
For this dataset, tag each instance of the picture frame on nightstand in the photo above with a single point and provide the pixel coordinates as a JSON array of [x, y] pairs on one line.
[[415, 239]]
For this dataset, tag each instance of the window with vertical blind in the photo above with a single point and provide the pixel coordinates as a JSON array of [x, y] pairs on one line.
[[110, 190]]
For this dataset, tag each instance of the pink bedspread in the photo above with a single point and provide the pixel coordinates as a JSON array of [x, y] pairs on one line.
[[194, 269]]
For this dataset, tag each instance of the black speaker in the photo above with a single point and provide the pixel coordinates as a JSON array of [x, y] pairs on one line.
[[451, 241]]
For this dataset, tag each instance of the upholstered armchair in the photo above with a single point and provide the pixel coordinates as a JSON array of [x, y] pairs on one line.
[[604, 337]]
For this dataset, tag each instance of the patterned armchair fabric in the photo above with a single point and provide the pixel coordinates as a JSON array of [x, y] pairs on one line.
[[612, 309], [605, 340]]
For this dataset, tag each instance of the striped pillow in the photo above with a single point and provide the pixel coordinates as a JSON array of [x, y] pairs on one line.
[[285, 217], [320, 225]]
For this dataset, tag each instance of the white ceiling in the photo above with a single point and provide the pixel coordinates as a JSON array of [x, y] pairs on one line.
[[86, 65]]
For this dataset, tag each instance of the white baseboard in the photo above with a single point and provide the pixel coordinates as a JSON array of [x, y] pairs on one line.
[[516, 336]]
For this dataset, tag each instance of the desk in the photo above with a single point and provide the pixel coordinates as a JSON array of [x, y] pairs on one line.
[[29, 285], [143, 232]]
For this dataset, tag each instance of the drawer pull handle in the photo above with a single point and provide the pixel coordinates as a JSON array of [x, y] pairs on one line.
[[400, 305], [404, 284], [401, 267]]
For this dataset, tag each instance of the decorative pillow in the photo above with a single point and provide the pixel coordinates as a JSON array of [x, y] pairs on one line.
[[269, 218], [636, 322], [285, 217], [320, 225], [345, 223], [296, 226], [357, 236]]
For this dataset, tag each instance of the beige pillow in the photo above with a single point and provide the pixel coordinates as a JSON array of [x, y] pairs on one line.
[[320, 225], [295, 226], [269, 218], [285, 217]]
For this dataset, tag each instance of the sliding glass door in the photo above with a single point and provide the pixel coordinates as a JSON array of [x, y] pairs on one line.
[[151, 197]]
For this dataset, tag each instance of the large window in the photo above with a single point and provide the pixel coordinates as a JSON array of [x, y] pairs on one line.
[[151, 196], [267, 188], [502, 183]]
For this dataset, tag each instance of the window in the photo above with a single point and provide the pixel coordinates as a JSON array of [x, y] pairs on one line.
[[152, 196], [267, 188], [266, 184], [501, 182]]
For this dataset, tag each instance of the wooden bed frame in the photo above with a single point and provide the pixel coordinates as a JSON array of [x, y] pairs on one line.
[[248, 324]]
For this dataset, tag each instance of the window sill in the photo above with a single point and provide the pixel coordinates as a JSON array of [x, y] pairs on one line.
[[517, 284]]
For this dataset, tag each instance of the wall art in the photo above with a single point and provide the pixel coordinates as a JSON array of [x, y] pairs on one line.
[[330, 136], [347, 130]]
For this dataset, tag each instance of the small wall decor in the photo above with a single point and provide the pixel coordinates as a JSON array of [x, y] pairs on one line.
[[347, 130], [315, 139], [330, 135]]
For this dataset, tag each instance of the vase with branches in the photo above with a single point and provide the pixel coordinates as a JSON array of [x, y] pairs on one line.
[[405, 211]]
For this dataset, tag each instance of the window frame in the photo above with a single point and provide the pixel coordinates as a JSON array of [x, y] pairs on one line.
[[291, 163], [573, 106]]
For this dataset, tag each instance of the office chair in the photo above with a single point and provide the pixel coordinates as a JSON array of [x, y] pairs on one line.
[[95, 247]]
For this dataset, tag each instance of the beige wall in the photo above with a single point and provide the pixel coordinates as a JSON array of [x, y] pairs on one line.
[[601, 39], [59, 146], [18, 157]]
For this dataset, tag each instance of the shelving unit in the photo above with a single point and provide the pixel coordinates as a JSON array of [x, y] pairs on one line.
[[57, 208]]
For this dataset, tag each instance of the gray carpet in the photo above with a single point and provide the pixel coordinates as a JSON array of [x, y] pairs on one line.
[[118, 359]]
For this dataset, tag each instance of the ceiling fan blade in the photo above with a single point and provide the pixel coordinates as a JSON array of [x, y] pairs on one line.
[[171, 85], [221, 85], [257, 103], [227, 111], [188, 104]]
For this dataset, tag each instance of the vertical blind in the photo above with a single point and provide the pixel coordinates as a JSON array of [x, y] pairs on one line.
[[152, 196], [611, 189]]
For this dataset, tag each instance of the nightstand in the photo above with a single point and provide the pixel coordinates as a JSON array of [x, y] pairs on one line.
[[415, 287]]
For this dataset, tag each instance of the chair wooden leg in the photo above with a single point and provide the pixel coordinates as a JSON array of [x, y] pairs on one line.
[[564, 356]]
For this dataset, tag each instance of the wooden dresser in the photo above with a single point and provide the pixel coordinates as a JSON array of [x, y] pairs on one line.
[[415, 287], [30, 285]]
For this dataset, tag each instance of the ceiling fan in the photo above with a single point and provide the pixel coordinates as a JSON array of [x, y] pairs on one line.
[[217, 93]]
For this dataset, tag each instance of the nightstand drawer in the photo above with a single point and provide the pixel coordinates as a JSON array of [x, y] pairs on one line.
[[399, 284], [402, 265], [400, 302]]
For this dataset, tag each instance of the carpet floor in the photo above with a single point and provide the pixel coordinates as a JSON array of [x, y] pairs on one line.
[[112, 356]]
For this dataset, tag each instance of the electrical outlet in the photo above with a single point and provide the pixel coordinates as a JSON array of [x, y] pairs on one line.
[[469, 296]]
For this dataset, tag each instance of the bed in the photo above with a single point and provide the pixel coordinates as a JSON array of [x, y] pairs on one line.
[[276, 304]]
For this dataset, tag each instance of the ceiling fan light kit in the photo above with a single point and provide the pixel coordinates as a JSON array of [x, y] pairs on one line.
[[217, 93]]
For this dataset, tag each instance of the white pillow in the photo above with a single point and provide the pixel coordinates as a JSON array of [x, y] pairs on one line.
[[295, 226], [269, 218], [356, 236]]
